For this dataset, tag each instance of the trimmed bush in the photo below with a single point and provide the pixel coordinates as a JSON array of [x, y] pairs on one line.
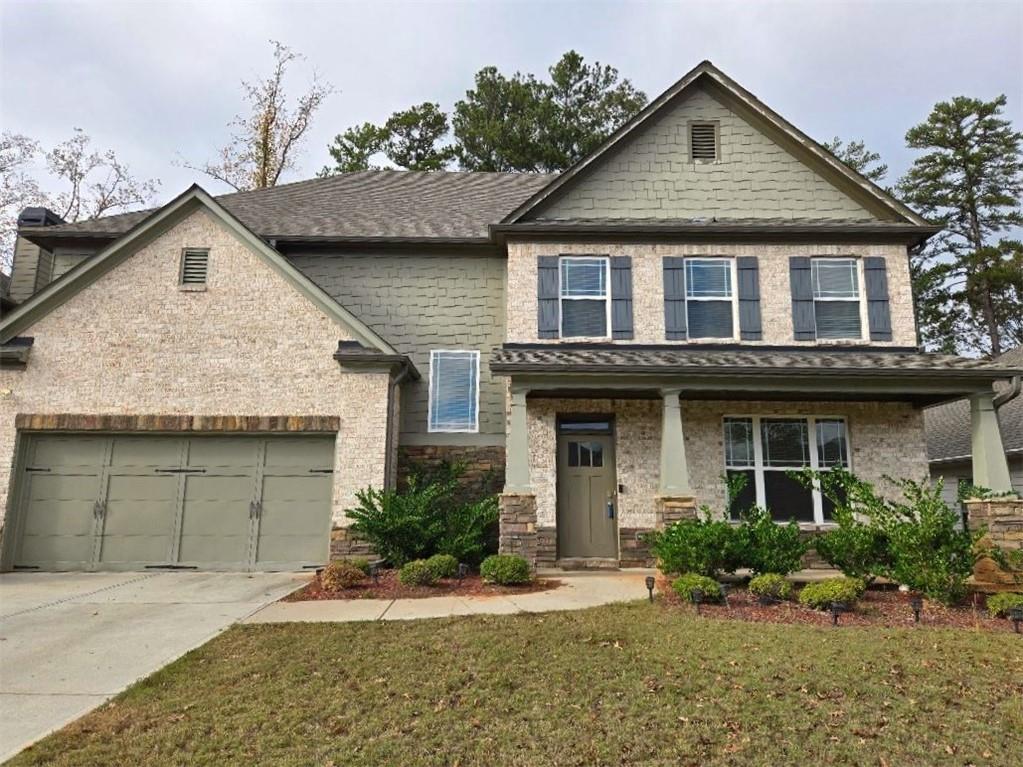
[[771, 585], [506, 570], [417, 573], [821, 594], [769, 547], [340, 575], [361, 562], [1000, 604], [688, 583], [704, 546], [443, 566]]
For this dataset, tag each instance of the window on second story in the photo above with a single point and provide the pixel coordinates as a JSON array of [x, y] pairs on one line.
[[836, 297], [454, 391], [709, 298], [583, 294]]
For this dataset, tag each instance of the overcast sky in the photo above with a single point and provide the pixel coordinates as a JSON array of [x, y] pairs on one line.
[[158, 80]]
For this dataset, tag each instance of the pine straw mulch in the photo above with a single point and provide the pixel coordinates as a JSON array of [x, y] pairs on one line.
[[389, 587], [882, 607]]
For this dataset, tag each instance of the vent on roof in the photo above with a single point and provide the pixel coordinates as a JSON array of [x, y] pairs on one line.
[[194, 264], [703, 141]]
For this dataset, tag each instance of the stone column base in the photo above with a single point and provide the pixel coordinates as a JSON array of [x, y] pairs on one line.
[[672, 508], [520, 534], [345, 545], [1002, 521], [633, 551]]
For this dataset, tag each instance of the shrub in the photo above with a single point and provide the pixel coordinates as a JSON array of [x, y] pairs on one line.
[[417, 573], [340, 575], [506, 570], [859, 550], [1000, 604], [429, 516], [768, 547], [443, 566], [361, 562], [771, 585], [821, 594], [685, 585], [704, 546]]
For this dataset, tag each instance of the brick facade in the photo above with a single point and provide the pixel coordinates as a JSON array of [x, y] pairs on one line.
[[484, 465], [132, 345]]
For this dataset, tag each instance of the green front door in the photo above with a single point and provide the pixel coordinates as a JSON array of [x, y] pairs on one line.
[[128, 502], [587, 508]]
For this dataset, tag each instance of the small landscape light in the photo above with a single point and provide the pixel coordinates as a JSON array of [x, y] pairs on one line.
[[837, 608], [697, 597], [916, 604], [374, 572], [650, 586], [1016, 616], [463, 570]]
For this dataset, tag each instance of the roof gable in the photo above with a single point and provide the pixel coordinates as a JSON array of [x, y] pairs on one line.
[[768, 169], [145, 232]]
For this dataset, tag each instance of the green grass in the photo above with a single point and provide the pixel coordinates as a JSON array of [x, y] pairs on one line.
[[620, 685]]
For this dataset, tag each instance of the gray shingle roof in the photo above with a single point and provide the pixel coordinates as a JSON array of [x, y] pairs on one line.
[[513, 358], [384, 204], [948, 426]]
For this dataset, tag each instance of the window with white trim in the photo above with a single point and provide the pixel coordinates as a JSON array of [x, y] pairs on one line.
[[710, 298], [584, 297], [764, 449], [836, 297], [454, 391]]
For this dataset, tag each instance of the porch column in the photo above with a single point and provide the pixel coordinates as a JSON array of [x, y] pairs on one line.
[[516, 457], [674, 469], [990, 468]]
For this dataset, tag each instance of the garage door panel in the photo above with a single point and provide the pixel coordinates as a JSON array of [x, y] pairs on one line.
[[223, 452], [317, 453], [55, 552], [61, 517], [69, 451], [135, 549], [294, 523], [215, 551], [146, 451]]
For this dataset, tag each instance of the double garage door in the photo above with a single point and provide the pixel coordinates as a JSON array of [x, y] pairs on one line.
[[130, 502]]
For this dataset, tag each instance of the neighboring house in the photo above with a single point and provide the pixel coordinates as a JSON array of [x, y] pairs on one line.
[[210, 383], [948, 437]]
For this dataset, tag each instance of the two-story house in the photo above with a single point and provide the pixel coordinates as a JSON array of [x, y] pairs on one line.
[[710, 293]]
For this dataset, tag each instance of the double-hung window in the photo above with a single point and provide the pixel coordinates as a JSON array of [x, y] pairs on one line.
[[763, 450], [583, 293], [836, 297], [454, 391], [710, 305]]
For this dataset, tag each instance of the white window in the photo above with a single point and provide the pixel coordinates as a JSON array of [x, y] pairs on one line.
[[454, 390], [585, 306], [836, 297], [765, 449], [710, 298]]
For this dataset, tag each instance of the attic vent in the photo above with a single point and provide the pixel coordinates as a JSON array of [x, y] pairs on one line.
[[703, 141], [194, 264]]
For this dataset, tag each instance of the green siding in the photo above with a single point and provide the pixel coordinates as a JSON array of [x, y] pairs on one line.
[[421, 302]]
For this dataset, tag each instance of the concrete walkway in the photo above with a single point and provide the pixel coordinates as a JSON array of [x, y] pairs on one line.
[[578, 590], [70, 641]]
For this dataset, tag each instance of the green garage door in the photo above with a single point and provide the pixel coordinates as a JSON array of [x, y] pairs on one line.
[[129, 502]]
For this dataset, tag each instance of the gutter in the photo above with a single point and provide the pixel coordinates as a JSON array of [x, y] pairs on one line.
[[1006, 397], [674, 370]]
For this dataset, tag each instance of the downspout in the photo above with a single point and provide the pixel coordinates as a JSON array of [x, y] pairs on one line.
[[1006, 397], [389, 438]]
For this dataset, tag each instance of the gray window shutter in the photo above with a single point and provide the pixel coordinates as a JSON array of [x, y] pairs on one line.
[[547, 314], [803, 326], [674, 298], [879, 316], [621, 297], [748, 274]]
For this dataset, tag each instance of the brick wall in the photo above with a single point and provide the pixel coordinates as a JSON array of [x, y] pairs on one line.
[[133, 344], [648, 285]]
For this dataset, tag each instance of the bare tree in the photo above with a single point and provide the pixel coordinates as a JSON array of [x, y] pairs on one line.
[[264, 142], [17, 189]]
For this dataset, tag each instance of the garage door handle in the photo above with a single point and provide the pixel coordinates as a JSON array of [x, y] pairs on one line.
[[36, 468], [255, 509], [321, 471], [99, 509]]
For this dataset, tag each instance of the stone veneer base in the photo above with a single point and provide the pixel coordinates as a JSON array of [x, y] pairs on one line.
[[1002, 521]]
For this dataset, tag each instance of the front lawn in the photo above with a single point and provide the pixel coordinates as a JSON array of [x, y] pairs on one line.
[[620, 685]]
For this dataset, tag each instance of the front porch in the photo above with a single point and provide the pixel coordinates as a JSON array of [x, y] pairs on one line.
[[597, 459]]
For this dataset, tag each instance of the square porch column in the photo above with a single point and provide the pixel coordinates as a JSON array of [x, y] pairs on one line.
[[990, 467], [516, 457], [674, 468]]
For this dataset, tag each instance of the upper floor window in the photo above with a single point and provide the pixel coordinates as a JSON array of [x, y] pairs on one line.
[[764, 450], [836, 297], [454, 391], [710, 305], [583, 297]]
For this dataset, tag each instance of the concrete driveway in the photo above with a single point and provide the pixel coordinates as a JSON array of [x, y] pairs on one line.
[[70, 641]]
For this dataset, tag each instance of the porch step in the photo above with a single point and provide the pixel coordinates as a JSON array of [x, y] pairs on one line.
[[587, 563]]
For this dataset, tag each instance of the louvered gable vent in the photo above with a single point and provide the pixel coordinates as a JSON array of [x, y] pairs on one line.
[[703, 141], [194, 264]]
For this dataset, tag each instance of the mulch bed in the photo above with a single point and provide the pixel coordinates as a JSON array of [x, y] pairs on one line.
[[390, 588], [879, 607]]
